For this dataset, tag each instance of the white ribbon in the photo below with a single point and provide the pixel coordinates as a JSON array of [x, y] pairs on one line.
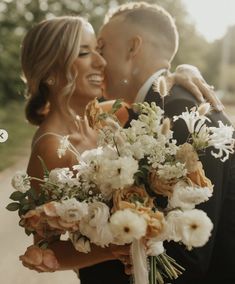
[[139, 259]]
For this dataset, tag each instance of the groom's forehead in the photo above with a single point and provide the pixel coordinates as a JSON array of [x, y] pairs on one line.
[[105, 32]]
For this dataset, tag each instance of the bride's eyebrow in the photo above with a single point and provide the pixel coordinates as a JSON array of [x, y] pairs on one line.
[[84, 46]]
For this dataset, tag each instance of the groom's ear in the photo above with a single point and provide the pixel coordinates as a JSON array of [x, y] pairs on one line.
[[135, 45]]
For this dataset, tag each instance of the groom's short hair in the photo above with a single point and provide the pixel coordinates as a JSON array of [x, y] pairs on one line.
[[152, 18]]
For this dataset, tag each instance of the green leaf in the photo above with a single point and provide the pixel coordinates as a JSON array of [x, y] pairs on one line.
[[32, 193], [13, 206], [44, 245], [26, 207], [17, 195], [45, 170], [24, 201], [116, 105]]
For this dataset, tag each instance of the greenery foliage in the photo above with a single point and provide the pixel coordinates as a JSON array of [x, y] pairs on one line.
[[20, 134], [215, 60], [17, 16]]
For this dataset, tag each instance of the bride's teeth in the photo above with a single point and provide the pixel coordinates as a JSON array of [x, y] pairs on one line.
[[96, 78]]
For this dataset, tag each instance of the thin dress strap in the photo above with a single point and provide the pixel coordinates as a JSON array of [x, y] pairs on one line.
[[44, 134]]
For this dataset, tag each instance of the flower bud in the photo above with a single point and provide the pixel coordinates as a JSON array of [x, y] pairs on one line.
[[203, 109], [166, 125]]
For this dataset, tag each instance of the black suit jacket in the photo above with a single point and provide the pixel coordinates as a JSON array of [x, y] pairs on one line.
[[202, 264], [198, 262]]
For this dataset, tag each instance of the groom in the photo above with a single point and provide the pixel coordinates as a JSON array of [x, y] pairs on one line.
[[139, 42]]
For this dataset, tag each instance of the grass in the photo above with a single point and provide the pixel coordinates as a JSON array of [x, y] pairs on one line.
[[20, 133]]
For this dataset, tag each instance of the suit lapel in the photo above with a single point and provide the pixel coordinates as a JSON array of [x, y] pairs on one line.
[[153, 96], [131, 115]]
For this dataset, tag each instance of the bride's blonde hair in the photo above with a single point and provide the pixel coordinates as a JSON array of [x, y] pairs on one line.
[[49, 49]]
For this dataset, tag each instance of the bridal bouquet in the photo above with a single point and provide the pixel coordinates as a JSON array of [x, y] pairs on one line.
[[109, 197]]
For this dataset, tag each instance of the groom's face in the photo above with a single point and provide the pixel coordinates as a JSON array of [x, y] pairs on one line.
[[114, 48]]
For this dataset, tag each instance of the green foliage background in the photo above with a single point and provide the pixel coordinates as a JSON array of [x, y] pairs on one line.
[[17, 16], [215, 60]]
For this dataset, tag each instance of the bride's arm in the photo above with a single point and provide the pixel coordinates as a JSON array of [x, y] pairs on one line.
[[61, 255], [69, 258]]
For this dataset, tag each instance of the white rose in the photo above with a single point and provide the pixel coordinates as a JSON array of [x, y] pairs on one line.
[[127, 226], [115, 174], [20, 181], [71, 210], [186, 197], [195, 228], [95, 225], [60, 176]]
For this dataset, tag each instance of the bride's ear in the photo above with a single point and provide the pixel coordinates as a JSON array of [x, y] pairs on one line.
[[135, 45]]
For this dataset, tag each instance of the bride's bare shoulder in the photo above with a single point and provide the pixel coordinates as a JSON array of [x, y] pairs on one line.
[[46, 147], [122, 113]]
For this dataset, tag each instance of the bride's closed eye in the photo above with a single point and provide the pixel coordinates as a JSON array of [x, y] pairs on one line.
[[83, 53]]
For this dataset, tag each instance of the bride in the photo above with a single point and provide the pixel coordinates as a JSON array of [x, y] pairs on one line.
[[63, 71]]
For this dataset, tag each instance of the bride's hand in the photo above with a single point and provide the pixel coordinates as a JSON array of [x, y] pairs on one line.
[[191, 79], [40, 260]]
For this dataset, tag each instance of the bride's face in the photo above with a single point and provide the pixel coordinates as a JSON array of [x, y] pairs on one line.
[[90, 67]]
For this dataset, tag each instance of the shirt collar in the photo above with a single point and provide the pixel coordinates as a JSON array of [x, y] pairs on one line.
[[146, 86]]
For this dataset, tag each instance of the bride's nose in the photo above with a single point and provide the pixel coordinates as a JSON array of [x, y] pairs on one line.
[[99, 61]]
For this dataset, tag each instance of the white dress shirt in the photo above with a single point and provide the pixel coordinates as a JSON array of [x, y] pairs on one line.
[[145, 87]]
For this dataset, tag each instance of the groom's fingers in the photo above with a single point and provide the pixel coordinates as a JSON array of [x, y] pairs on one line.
[[193, 88], [210, 95]]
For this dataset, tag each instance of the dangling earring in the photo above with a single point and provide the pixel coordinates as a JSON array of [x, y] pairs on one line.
[[50, 81]]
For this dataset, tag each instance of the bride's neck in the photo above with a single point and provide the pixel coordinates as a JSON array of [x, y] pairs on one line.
[[63, 120]]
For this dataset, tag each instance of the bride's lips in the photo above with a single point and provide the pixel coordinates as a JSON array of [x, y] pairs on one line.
[[96, 79]]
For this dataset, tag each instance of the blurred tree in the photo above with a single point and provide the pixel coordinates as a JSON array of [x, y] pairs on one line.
[[17, 16], [220, 69]]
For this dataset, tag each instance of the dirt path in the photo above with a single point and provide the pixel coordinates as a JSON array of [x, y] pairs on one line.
[[13, 242]]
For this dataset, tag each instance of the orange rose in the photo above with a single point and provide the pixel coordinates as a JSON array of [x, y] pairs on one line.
[[156, 222], [198, 177], [93, 111], [161, 186], [45, 222], [187, 155], [43, 260], [131, 197]]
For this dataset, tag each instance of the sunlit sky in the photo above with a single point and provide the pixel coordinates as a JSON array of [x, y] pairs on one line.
[[212, 17]]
